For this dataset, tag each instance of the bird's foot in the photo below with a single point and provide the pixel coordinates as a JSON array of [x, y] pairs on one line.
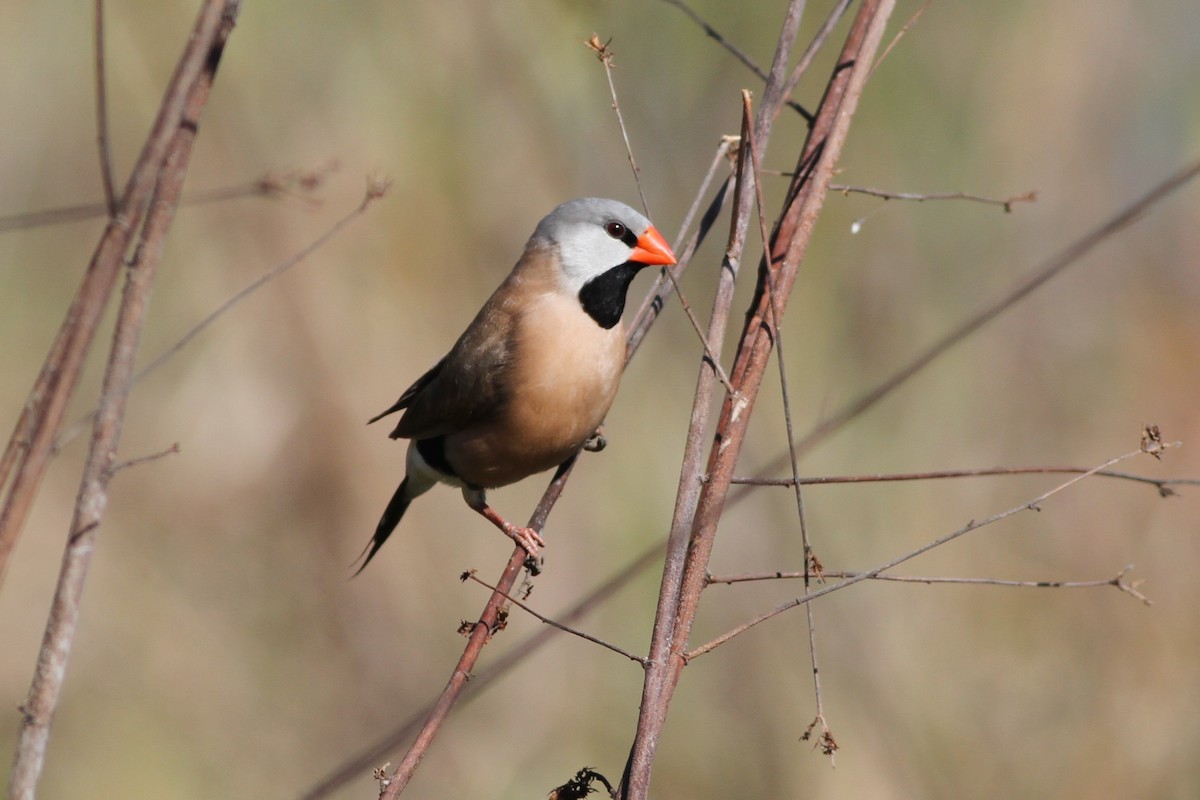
[[596, 442], [527, 538]]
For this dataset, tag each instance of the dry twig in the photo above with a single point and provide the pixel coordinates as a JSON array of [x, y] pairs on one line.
[[212, 30]]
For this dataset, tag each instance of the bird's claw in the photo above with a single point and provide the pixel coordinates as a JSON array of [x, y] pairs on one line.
[[527, 538], [596, 442]]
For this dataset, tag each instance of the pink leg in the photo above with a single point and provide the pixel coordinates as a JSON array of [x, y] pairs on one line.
[[527, 538]]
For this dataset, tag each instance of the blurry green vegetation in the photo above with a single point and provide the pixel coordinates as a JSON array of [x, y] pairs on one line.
[[225, 653]]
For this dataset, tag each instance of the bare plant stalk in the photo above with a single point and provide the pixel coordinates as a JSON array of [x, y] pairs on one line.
[[1118, 581], [481, 633], [355, 766], [669, 642], [1162, 484], [38, 709], [775, 316], [735, 51], [565, 628], [106, 170], [28, 450], [376, 188], [1005, 203], [690, 470], [1070, 255], [973, 525], [296, 183]]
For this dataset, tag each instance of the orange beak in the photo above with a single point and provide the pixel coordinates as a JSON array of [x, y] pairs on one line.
[[652, 248]]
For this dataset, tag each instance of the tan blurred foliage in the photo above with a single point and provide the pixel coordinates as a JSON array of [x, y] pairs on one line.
[[225, 652]]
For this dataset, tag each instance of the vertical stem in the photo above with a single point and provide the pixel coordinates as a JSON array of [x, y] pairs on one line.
[[106, 170], [50, 672], [804, 200]]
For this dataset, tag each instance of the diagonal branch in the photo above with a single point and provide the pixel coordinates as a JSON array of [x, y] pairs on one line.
[[27, 454], [1069, 256], [683, 578], [972, 525], [45, 690]]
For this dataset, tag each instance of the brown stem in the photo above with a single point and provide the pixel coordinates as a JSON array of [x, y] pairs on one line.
[[28, 451], [481, 634], [38, 709], [788, 245]]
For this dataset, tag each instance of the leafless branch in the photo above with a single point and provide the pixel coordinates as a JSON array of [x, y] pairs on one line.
[[481, 633], [146, 459], [810, 52], [376, 188], [1006, 203], [693, 527], [470, 575], [973, 525], [106, 170], [292, 183], [481, 679], [900, 35], [1162, 484], [1117, 581], [737, 52], [37, 711], [774, 318], [1070, 255], [605, 54], [28, 451]]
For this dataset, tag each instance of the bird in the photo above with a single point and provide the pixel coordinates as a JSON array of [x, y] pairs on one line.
[[530, 380]]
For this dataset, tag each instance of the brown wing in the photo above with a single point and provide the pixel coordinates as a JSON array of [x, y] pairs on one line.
[[467, 386]]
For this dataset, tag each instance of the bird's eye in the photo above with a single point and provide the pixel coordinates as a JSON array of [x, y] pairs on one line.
[[615, 229]]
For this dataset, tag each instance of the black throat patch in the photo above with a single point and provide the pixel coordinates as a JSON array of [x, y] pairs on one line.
[[603, 297]]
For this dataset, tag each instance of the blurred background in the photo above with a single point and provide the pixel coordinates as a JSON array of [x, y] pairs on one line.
[[224, 650]]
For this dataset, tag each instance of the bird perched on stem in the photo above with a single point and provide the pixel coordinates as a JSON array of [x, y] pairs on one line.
[[531, 379]]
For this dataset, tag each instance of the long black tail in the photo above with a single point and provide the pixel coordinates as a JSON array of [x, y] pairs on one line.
[[387, 523]]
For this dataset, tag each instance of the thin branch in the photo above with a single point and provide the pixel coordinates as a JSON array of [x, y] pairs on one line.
[[653, 711], [46, 688], [470, 575], [656, 298], [146, 459], [1162, 484], [973, 525], [605, 54], [376, 188], [1006, 203], [354, 767], [106, 169], [775, 316], [810, 52], [1069, 256], [292, 183], [29, 449], [1118, 581], [900, 34], [737, 52], [694, 525], [481, 634]]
